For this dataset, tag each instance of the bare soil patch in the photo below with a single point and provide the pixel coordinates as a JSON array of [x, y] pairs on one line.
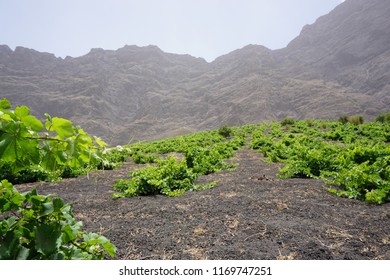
[[250, 214]]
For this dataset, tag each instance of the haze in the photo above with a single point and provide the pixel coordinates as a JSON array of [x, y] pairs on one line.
[[202, 28]]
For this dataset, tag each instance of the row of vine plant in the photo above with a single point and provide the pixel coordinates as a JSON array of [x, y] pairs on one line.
[[34, 226], [354, 159], [203, 153], [351, 156]]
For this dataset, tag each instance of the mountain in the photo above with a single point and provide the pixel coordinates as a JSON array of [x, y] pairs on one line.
[[338, 65], [351, 46]]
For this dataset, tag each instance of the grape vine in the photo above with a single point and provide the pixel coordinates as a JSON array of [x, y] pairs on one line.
[[34, 226], [204, 153], [353, 159], [50, 151]]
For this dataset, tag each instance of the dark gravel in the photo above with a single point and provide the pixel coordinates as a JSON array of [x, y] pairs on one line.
[[250, 214]]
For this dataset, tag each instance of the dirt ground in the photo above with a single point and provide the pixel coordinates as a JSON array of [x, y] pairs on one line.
[[250, 214]]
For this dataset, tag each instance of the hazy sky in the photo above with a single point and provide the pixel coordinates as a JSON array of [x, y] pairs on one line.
[[202, 28]]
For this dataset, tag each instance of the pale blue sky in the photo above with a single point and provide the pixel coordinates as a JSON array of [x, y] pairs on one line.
[[202, 28]]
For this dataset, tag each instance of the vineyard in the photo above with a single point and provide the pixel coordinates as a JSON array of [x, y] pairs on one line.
[[355, 158], [346, 158]]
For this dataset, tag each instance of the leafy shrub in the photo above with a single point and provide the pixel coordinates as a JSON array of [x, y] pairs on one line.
[[309, 163], [343, 119], [384, 118], [310, 123], [287, 121], [204, 153], [39, 227], [28, 175], [141, 158], [356, 120], [356, 159], [168, 177], [225, 131], [112, 157], [206, 160], [362, 182]]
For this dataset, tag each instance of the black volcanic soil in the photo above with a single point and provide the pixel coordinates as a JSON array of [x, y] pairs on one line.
[[250, 214]]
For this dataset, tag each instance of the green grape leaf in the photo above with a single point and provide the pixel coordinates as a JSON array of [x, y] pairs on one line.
[[9, 223], [21, 111], [47, 208], [33, 123], [47, 238], [9, 245], [61, 157], [100, 142], [108, 246], [5, 104], [23, 253], [49, 158], [68, 234], [63, 127], [15, 146], [58, 203], [84, 139], [5, 117]]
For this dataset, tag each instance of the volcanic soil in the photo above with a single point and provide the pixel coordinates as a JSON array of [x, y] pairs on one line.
[[249, 214]]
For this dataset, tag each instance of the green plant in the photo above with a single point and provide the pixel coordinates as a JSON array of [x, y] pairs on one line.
[[38, 227], [33, 226], [225, 131], [356, 120], [287, 121], [356, 159], [55, 147], [141, 158], [168, 177], [383, 118], [204, 153], [361, 182], [112, 157], [343, 119], [31, 174], [204, 160]]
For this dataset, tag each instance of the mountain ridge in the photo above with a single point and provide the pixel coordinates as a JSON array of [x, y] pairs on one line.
[[143, 93]]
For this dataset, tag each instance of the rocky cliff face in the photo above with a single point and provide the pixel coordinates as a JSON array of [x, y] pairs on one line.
[[338, 65], [350, 45]]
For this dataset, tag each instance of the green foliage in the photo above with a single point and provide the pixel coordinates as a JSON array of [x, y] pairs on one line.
[[204, 153], [33, 226], [364, 181], [287, 121], [309, 161], [47, 151], [343, 119], [207, 160], [141, 158], [356, 120], [112, 157], [31, 174], [39, 227], [225, 131], [356, 159], [168, 177], [384, 118]]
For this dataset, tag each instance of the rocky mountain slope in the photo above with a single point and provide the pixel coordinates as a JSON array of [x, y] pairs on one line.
[[338, 65], [351, 46]]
